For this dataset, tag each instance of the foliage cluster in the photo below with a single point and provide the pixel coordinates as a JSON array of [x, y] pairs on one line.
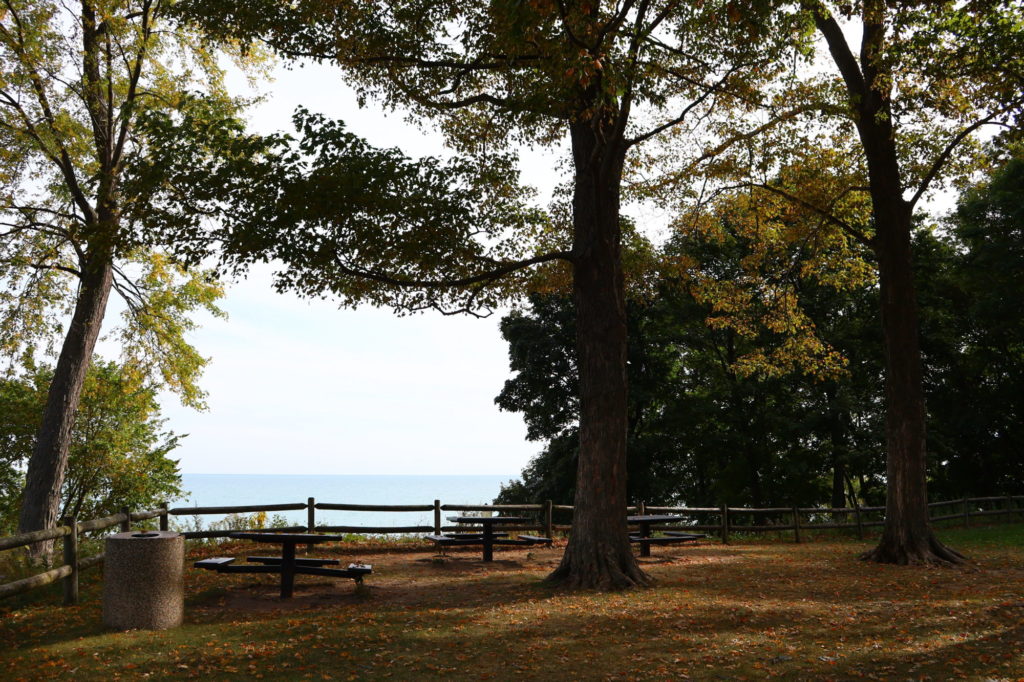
[[253, 521], [705, 428], [119, 453]]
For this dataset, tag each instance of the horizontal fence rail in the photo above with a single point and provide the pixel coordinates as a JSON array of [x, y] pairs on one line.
[[762, 520]]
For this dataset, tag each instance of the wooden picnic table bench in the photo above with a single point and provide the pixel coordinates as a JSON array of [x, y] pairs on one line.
[[488, 538], [666, 539], [446, 539], [287, 564], [644, 538]]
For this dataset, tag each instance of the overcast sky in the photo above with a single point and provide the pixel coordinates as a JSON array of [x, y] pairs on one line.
[[300, 386]]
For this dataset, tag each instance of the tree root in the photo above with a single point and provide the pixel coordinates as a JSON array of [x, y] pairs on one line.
[[602, 573], [927, 552]]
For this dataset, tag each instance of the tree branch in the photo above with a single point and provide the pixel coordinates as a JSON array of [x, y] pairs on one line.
[[44, 266], [136, 74], [742, 137], [709, 90], [484, 277], [62, 158], [840, 50], [941, 159]]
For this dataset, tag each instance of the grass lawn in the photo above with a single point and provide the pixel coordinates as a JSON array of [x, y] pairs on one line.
[[749, 610]]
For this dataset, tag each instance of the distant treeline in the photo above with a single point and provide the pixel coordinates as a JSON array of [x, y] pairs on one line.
[[703, 427]]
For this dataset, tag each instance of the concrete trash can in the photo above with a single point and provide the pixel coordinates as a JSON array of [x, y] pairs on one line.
[[143, 585]]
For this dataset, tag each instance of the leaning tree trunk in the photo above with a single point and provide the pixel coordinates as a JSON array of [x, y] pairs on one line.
[[907, 537], [45, 476], [599, 555]]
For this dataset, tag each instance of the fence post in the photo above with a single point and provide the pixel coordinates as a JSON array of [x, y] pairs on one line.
[[126, 525], [856, 516], [967, 515], [1009, 509], [725, 524], [310, 520], [643, 508], [437, 517], [796, 524], [164, 525], [549, 530], [71, 559]]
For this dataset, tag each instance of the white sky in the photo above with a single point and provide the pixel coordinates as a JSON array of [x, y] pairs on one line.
[[302, 387]]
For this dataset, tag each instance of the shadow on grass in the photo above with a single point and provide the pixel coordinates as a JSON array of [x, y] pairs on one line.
[[799, 611]]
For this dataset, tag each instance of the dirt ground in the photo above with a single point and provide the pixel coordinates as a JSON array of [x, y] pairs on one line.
[[401, 577]]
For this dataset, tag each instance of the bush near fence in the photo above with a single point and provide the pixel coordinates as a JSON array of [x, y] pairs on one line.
[[762, 520]]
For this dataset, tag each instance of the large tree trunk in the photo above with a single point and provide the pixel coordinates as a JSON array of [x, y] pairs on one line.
[[45, 476], [599, 555], [907, 537]]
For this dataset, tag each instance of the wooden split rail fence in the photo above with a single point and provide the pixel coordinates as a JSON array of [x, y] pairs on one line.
[[773, 519]]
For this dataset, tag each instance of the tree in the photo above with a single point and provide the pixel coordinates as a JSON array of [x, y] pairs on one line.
[[542, 354], [973, 311], [76, 207], [609, 76], [730, 401], [898, 117], [118, 454], [706, 430], [883, 103]]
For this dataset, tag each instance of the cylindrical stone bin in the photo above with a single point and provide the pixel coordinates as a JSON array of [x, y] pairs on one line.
[[143, 580]]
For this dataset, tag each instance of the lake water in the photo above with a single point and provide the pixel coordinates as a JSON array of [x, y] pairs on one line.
[[222, 490]]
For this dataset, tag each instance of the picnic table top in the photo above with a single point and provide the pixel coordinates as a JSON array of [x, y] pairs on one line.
[[282, 538], [653, 518], [489, 519]]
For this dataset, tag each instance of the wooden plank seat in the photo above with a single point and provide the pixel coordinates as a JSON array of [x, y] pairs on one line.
[[685, 536], [354, 571], [536, 539], [517, 542], [214, 563], [298, 561], [666, 539], [273, 565], [473, 539], [449, 540]]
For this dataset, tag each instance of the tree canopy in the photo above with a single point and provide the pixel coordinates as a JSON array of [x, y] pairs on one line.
[[704, 429], [119, 451], [684, 103], [610, 76], [76, 210], [890, 114]]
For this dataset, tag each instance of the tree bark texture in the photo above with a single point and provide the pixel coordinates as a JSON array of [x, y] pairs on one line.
[[46, 467], [599, 555], [907, 537]]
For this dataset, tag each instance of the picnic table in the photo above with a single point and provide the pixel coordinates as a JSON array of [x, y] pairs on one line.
[[644, 538], [286, 564], [487, 537]]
